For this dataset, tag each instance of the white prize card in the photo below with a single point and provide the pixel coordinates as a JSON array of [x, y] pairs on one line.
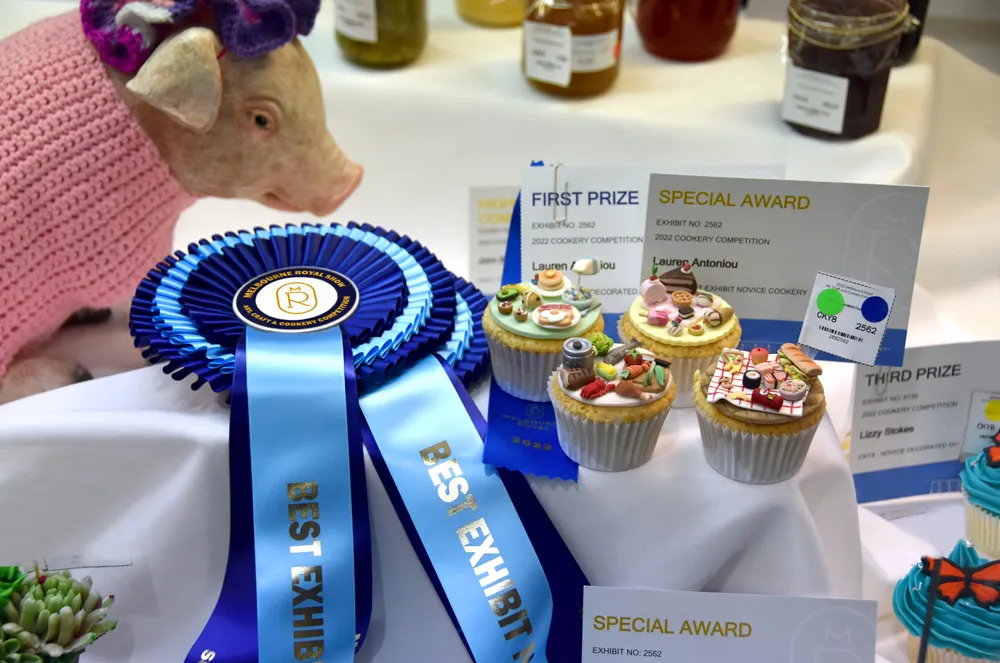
[[759, 243], [490, 208], [912, 425], [704, 627]]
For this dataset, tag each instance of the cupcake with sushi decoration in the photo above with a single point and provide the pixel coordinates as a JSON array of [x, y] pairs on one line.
[[949, 608], [981, 490], [527, 323], [610, 402], [673, 318], [758, 413]]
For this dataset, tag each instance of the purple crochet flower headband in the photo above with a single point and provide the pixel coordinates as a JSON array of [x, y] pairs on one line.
[[125, 32]]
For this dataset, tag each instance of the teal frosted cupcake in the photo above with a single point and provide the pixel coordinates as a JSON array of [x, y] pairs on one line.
[[981, 489], [963, 632]]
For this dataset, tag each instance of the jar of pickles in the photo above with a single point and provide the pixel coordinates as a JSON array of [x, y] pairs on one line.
[[572, 48], [381, 34], [492, 13], [840, 56]]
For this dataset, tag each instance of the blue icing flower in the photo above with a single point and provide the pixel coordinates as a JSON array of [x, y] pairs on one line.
[[982, 483], [965, 627]]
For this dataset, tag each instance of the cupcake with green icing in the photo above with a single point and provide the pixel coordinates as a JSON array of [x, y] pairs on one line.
[[526, 324], [981, 489], [961, 631]]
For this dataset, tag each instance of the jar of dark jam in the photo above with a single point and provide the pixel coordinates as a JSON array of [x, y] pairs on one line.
[[840, 56], [687, 30]]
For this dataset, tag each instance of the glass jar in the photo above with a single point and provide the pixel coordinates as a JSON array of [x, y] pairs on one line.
[[910, 40], [572, 48], [840, 55], [689, 30], [381, 34], [492, 13]]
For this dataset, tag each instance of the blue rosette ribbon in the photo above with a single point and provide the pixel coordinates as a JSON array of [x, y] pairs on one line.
[[330, 337]]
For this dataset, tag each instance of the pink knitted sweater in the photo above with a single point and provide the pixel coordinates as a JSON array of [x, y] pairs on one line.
[[87, 205]]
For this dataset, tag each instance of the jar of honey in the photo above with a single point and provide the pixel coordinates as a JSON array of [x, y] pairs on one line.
[[572, 48], [381, 34], [492, 13], [840, 57], [688, 30]]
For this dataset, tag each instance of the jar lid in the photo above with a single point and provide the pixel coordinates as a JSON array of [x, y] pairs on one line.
[[847, 25]]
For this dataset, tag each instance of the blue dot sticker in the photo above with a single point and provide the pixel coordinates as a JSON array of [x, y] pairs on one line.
[[874, 309]]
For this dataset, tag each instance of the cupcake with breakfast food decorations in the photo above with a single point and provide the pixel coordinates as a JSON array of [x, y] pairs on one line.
[[675, 319], [610, 402], [758, 413], [961, 619], [526, 325], [981, 490]]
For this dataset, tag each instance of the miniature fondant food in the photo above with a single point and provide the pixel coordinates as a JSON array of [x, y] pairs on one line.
[[578, 353], [681, 298], [550, 279], [806, 366], [627, 389], [633, 357], [751, 379], [532, 300], [606, 371], [766, 398], [704, 299], [675, 328], [602, 343], [618, 352], [651, 290], [506, 308], [696, 330], [685, 312], [508, 293], [658, 317], [521, 314], [576, 378], [680, 278], [759, 355], [793, 390]]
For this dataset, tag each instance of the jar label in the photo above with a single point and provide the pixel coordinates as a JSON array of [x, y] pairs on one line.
[[595, 52], [548, 53], [357, 19], [814, 99]]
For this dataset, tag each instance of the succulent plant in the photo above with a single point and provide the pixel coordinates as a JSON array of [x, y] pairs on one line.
[[49, 618]]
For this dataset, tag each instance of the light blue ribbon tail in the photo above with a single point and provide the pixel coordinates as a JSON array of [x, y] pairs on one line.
[[470, 531], [300, 458]]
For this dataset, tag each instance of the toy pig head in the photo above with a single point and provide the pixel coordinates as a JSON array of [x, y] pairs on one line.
[[232, 127]]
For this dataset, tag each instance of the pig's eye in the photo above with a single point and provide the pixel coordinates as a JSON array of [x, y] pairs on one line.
[[261, 121]]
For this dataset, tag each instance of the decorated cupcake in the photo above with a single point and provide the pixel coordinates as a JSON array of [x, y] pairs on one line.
[[610, 402], [526, 325], [981, 489], [758, 419], [964, 624], [675, 319]]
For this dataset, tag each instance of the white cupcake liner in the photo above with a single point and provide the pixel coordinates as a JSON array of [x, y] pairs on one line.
[[523, 374], [936, 654], [602, 446], [982, 528], [683, 369], [752, 457]]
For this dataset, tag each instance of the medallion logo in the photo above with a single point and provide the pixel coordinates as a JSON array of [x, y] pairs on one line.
[[296, 299]]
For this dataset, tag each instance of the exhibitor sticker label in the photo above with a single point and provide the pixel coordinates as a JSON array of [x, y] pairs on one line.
[[912, 424], [296, 299], [357, 19], [643, 624], [814, 99], [847, 318], [548, 53], [759, 243]]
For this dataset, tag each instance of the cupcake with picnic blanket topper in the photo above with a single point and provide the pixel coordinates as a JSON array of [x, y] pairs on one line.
[[526, 325], [758, 412], [673, 318], [610, 402], [981, 490]]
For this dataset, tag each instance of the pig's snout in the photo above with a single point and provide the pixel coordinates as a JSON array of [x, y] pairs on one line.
[[343, 187]]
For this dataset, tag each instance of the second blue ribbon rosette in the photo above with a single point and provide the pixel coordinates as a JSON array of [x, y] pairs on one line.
[[330, 337]]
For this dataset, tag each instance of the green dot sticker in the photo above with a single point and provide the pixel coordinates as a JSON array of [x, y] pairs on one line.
[[992, 411], [830, 301]]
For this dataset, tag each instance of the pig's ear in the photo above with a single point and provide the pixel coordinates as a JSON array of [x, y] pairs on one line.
[[182, 78]]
